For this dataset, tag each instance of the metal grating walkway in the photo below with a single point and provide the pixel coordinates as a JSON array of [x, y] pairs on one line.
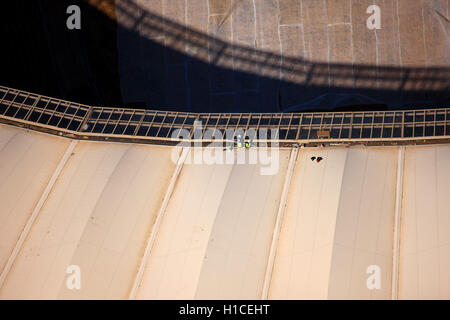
[[380, 125]]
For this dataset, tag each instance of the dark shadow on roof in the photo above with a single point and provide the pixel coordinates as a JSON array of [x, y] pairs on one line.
[[168, 66]]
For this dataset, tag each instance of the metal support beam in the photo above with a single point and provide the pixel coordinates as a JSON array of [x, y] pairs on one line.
[[397, 222], [279, 220], [151, 240]]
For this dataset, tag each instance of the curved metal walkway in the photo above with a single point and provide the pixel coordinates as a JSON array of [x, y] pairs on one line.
[[77, 120]]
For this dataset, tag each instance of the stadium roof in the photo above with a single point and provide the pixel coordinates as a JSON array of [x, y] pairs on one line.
[[145, 221]]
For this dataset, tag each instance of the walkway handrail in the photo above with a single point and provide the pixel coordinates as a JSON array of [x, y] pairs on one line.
[[70, 117]]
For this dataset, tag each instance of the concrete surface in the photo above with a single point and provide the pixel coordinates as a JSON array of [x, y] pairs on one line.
[[272, 55], [338, 221], [216, 232], [27, 161], [425, 237], [223, 217], [97, 216]]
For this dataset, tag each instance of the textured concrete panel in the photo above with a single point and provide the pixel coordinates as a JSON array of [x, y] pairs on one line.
[[215, 236], [338, 221], [98, 217], [364, 225], [303, 257], [216, 232], [425, 241], [27, 162], [316, 49]]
